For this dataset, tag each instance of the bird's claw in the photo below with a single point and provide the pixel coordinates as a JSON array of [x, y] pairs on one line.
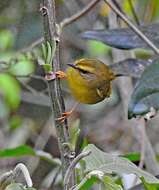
[[60, 74], [64, 116], [53, 75]]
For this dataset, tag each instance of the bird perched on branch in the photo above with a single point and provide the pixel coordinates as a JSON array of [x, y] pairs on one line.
[[90, 80]]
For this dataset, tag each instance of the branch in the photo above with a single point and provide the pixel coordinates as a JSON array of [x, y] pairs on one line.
[[48, 157], [10, 177], [72, 166], [51, 35], [21, 167], [132, 26], [78, 15]]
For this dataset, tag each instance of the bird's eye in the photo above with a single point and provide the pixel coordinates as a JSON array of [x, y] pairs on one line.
[[87, 75], [83, 71]]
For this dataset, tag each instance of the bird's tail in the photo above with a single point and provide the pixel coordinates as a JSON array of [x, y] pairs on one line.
[[130, 67]]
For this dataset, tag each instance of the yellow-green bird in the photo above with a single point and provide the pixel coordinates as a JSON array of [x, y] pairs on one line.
[[90, 80]]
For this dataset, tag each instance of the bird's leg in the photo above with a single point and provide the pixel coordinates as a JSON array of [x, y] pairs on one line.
[[60, 75], [65, 115]]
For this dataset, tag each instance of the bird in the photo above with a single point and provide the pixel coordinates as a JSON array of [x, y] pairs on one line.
[[90, 80]]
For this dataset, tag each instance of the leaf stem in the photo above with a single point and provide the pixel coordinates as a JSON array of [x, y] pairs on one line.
[[21, 167]]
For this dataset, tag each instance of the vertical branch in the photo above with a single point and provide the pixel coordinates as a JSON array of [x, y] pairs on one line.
[[52, 36]]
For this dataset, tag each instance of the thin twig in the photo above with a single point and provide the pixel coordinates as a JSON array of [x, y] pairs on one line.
[[78, 15], [132, 26], [32, 45], [48, 157], [55, 177], [38, 77], [118, 5], [142, 148], [29, 88], [72, 166]]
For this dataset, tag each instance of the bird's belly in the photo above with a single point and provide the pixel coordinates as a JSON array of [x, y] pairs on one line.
[[86, 96]]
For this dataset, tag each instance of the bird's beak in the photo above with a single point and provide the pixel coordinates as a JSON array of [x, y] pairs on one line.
[[72, 65]]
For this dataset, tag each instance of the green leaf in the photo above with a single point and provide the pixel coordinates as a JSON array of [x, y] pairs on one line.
[[74, 133], [5, 112], [97, 48], [49, 53], [134, 156], [9, 87], [15, 186], [97, 177], [149, 186], [15, 122], [108, 163], [89, 183], [22, 150], [47, 68], [25, 150], [6, 39], [110, 184], [146, 92], [44, 50], [22, 67]]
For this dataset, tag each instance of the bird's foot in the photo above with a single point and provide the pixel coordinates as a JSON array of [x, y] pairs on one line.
[[58, 74], [64, 116], [61, 75]]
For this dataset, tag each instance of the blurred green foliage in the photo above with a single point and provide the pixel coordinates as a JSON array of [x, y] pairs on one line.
[[10, 90], [12, 64], [6, 40], [96, 48], [22, 150], [21, 29]]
